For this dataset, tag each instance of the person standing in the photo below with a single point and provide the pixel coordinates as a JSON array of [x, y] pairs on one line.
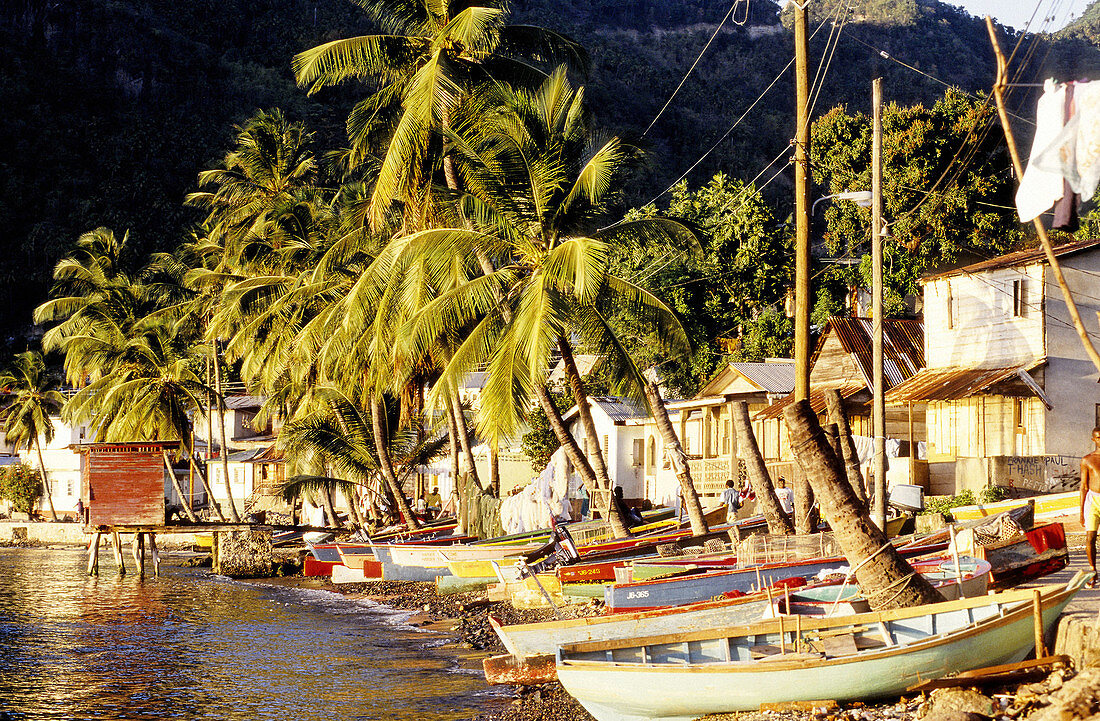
[[731, 497], [785, 496], [1090, 500]]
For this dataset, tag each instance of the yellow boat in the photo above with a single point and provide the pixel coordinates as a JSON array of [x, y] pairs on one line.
[[1054, 505]]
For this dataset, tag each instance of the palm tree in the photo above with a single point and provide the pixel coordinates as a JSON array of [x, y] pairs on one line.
[[535, 186], [429, 56], [33, 396]]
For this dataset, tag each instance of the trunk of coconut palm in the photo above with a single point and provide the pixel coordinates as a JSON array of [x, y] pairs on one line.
[[565, 438], [464, 438], [353, 509], [384, 461], [805, 518], [225, 440], [677, 458], [176, 485], [837, 415], [757, 470], [494, 469], [595, 454], [452, 441], [205, 486], [45, 481], [884, 576]]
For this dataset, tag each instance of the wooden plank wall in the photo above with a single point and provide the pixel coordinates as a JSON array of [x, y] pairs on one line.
[[125, 485]]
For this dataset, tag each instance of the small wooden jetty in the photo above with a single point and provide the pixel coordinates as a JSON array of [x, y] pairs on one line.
[[125, 491]]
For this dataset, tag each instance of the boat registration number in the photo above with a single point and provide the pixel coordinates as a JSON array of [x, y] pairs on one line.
[[638, 594]]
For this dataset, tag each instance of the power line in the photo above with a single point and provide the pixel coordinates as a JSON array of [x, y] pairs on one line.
[[692, 68]]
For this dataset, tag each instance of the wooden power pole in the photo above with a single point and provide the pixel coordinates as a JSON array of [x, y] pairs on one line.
[[878, 415], [802, 208]]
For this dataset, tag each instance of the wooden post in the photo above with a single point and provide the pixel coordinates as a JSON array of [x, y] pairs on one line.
[[136, 550], [120, 561], [878, 416], [912, 448], [1048, 249], [156, 555], [802, 300], [93, 554], [1037, 613]]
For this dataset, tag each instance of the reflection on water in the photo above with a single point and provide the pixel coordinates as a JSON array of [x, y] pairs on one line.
[[189, 645]]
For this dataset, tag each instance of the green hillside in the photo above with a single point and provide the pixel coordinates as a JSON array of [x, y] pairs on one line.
[[114, 106]]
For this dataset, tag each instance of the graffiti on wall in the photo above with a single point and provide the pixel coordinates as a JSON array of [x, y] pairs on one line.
[[1039, 474]]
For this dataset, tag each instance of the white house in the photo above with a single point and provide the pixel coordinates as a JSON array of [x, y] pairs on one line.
[[62, 464], [1011, 395], [620, 425]]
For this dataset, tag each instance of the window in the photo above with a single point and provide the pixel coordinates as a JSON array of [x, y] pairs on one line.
[[725, 437], [1019, 298], [652, 460], [606, 445], [69, 487], [1019, 414], [638, 451]]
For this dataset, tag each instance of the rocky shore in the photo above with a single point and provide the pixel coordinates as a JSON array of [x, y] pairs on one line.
[[1061, 694]]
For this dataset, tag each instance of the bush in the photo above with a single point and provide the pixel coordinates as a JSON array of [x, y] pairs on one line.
[[21, 485], [944, 504]]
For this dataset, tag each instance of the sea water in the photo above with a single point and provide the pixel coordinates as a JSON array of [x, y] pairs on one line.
[[190, 645]]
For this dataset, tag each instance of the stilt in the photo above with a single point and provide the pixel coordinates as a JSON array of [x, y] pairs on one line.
[[156, 556], [93, 554], [120, 561], [135, 551], [141, 549]]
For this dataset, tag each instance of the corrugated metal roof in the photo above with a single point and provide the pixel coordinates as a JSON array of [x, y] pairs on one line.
[[902, 346], [240, 403], [620, 409], [953, 383], [772, 377], [266, 454], [1028, 256], [475, 379], [817, 400]]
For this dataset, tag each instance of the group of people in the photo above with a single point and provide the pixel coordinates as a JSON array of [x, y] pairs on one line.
[[735, 499]]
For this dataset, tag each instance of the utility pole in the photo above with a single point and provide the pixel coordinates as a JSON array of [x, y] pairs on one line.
[[878, 415], [802, 207]]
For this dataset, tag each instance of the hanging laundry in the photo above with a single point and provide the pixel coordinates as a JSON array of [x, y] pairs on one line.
[[1075, 152], [1065, 210], [1039, 189]]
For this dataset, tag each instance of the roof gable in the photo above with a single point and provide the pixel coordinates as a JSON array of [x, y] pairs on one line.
[[1028, 256]]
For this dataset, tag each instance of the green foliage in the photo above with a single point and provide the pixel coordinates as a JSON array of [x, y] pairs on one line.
[[992, 494], [724, 289], [20, 485], [931, 223], [944, 504]]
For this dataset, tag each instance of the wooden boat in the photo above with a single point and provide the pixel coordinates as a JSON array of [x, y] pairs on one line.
[[865, 656], [700, 585], [1038, 552], [1048, 507]]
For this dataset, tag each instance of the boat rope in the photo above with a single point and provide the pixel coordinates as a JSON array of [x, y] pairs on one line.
[[852, 573], [903, 581]]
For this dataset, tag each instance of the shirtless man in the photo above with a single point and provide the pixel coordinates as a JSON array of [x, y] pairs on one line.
[[1090, 497]]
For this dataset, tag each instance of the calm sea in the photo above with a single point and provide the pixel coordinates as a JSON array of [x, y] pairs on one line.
[[189, 645]]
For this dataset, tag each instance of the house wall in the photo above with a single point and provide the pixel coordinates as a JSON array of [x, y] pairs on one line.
[[969, 319], [1070, 378]]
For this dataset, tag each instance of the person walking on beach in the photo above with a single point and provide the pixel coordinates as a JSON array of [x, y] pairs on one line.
[[1090, 500]]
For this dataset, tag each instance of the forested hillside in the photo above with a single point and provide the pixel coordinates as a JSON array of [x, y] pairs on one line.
[[113, 107]]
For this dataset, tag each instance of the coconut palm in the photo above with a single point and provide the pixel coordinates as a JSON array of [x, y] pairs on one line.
[[535, 187], [428, 57], [32, 398]]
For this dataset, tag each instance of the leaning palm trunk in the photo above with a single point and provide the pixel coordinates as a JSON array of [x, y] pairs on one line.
[[225, 440], [452, 441], [565, 438], [464, 437], [387, 465], [677, 457], [205, 486], [595, 455], [758, 472], [847, 447], [176, 485], [805, 518], [884, 576], [45, 481]]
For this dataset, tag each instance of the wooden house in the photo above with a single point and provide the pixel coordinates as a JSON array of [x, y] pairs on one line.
[[1011, 396], [843, 361], [124, 484]]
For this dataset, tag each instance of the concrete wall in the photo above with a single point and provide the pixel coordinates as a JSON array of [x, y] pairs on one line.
[[73, 534], [1070, 377]]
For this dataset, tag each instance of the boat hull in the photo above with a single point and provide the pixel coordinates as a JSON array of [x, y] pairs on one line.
[[631, 691]]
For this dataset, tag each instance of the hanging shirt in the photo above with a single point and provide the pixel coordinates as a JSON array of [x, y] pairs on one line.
[[1041, 188]]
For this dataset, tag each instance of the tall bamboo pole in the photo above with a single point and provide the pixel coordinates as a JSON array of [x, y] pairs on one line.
[[1044, 240]]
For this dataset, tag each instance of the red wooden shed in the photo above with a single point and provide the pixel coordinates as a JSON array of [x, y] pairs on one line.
[[124, 484]]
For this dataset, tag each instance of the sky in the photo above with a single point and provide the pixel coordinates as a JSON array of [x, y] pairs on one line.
[[1017, 13]]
